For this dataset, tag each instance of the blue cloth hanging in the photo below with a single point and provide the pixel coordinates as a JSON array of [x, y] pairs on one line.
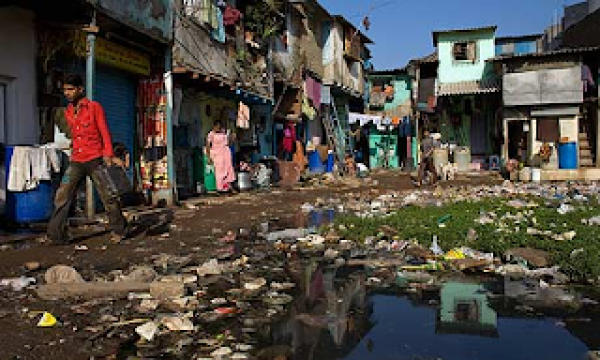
[[219, 33]]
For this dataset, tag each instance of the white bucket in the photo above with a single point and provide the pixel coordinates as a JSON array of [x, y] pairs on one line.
[[440, 158], [462, 158], [536, 174]]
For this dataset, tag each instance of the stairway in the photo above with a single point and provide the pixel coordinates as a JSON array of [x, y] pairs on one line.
[[336, 136], [586, 158]]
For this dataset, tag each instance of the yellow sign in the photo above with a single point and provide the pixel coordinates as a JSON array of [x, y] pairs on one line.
[[115, 55]]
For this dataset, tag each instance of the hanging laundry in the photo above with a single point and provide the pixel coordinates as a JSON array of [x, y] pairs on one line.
[[307, 109], [30, 165], [243, 116], [316, 93], [587, 77], [354, 118], [218, 32], [231, 15], [309, 88], [325, 94]]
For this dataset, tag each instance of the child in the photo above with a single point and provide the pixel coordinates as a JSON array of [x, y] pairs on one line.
[[122, 157]]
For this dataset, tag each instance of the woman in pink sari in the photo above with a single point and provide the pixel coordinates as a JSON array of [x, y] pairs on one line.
[[217, 143]]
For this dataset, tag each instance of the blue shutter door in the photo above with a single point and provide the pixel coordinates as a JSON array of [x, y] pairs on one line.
[[116, 91]]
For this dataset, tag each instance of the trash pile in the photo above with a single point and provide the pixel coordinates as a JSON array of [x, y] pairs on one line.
[[222, 308]]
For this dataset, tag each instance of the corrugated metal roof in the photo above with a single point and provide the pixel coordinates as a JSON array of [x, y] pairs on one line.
[[483, 28], [566, 51], [518, 37], [469, 87]]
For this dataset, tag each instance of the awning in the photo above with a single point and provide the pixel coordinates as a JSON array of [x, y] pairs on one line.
[[486, 86]]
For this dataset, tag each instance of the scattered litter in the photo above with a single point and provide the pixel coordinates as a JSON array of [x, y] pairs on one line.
[[18, 284], [147, 331], [47, 320]]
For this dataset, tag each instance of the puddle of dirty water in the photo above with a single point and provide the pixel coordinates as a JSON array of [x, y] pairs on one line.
[[336, 317]]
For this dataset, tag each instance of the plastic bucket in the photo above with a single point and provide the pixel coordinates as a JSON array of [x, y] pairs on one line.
[[567, 155], [315, 165], [440, 158], [462, 158], [329, 165], [210, 183], [525, 174], [536, 175], [29, 206]]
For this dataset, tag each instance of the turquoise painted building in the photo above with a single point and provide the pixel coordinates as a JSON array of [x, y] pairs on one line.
[[390, 95], [468, 89], [463, 54], [389, 103]]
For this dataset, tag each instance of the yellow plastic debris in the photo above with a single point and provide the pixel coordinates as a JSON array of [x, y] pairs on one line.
[[47, 320], [454, 254]]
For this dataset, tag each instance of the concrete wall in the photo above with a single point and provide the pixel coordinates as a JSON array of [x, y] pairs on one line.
[[19, 123], [18, 75], [452, 71]]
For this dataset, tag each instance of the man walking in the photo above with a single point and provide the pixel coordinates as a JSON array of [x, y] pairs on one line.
[[427, 146], [91, 149]]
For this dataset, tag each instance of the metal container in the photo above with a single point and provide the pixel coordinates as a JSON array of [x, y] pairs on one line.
[[244, 181]]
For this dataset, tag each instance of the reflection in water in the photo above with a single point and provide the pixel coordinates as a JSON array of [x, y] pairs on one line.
[[465, 310], [330, 316], [335, 318]]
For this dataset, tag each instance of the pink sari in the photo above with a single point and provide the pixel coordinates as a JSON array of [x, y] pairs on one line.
[[220, 154]]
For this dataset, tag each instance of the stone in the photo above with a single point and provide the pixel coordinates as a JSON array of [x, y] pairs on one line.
[[62, 274], [534, 257], [32, 265]]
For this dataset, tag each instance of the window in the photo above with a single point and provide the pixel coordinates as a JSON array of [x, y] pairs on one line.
[[547, 130], [465, 51]]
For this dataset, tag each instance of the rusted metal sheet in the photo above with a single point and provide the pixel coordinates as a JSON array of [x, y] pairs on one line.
[[151, 17]]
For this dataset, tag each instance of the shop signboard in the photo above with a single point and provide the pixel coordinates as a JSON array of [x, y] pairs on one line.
[[115, 55], [151, 17]]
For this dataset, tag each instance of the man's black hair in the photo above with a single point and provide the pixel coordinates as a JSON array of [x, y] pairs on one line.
[[73, 79]]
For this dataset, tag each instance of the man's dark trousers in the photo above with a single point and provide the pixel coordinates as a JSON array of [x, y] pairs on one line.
[[73, 178]]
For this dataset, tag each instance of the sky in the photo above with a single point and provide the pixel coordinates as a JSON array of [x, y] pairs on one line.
[[401, 29]]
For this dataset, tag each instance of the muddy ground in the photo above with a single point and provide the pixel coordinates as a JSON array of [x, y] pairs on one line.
[[193, 232]]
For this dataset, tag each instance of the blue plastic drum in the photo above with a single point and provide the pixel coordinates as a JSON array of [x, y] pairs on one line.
[[29, 206], [315, 165], [567, 155]]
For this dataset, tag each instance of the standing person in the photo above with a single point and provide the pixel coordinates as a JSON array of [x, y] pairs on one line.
[[217, 146], [427, 146], [289, 140], [91, 149]]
